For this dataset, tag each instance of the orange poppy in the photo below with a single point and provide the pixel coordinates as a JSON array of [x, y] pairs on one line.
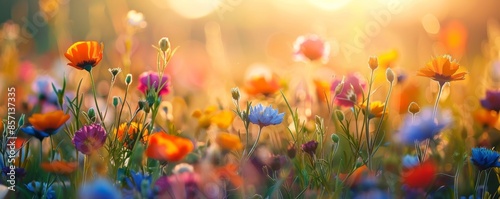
[[49, 121], [229, 141], [262, 85], [84, 54], [59, 167], [129, 137], [442, 69], [167, 147], [357, 176]]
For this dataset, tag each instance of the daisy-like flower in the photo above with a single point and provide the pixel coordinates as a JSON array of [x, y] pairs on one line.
[[485, 158], [59, 167], [150, 81], [84, 55], [45, 125], [376, 109], [311, 48], [442, 69], [492, 100], [265, 116], [89, 138], [229, 141], [165, 147]]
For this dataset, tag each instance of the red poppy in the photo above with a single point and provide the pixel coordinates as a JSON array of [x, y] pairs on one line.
[[420, 176]]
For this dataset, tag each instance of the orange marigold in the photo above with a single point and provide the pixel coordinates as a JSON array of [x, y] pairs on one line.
[[442, 69], [128, 133]]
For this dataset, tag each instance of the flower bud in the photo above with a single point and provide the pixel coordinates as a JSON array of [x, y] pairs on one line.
[[235, 92], [340, 115], [390, 75], [116, 101], [91, 114], [310, 147], [164, 44], [413, 108], [114, 72], [335, 138], [339, 88], [373, 62], [128, 79]]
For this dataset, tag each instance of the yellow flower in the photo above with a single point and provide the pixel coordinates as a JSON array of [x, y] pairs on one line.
[[211, 115], [128, 134], [376, 109], [229, 141], [442, 69], [223, 119]]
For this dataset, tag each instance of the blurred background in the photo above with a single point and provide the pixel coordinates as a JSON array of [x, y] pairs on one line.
[[221, 40]]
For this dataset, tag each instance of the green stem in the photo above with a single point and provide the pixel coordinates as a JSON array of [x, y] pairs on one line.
[[381, 118], [95, 99], [367, 120], [255, 143], [434, 113]]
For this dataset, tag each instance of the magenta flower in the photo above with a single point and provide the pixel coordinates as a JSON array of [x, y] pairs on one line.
[[311, 48], [492, 100], [348, 93], [150, 81], [89, 138]]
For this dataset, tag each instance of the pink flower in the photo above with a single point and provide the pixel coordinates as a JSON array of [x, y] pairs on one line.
[[311, 48], [348, 96], [150, 81]]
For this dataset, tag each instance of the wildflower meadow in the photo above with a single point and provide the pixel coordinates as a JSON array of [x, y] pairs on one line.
[[249, 99]]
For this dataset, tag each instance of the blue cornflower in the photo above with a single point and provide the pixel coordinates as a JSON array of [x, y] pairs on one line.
[[139, 182], [265, 116], [484, 158], [422, 127], [41, 190], [99, 189], [410, 161]]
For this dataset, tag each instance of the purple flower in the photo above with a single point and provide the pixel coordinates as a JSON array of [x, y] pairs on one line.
[[150, 81], [310, 147], [492, 100], [357, 82], [89, 138]]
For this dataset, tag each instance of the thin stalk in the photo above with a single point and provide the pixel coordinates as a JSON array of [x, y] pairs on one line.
[[367, 120], [383, 115], [478, 178], [434, 112], [95, 99], [485, 185], [255, 143]]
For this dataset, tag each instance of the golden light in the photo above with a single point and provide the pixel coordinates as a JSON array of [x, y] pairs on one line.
[[329, 4], [431, 24], [193, 9]]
